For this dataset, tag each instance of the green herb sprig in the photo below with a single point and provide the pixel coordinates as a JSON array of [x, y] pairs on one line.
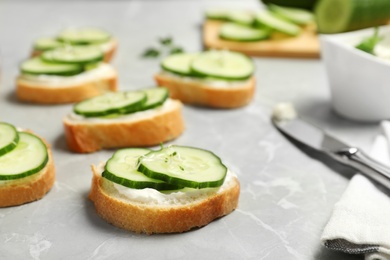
[[166, 46], [368, 44]]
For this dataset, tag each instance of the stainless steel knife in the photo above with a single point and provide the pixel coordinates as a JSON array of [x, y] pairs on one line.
[[312, 136]]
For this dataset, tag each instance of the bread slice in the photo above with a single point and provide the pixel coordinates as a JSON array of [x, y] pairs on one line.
[[167, 216], [109, 50], [235, 94], [30, 188], [58, 90], [140, 129]]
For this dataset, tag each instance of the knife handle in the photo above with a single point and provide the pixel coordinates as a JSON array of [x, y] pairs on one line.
[[364, 164]]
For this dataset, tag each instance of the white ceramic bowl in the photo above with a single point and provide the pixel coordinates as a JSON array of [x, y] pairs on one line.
[[359, 82]]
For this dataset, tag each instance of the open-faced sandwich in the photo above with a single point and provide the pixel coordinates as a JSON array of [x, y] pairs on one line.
[[78, 36], [138, 118], [65, 75], [219, 79], [26, 166], [170, 190]]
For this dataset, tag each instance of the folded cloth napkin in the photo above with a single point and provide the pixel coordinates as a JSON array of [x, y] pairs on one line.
[[360, 222]]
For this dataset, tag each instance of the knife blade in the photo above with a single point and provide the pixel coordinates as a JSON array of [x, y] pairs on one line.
[[310, 135]]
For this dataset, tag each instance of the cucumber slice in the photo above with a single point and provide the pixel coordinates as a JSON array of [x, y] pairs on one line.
[[237, 32], [241, 17], [74, 55], [217, 13], [111, 103], [303, 4], [334, 16], [223, 65], [155, 97], [28, 157], [179, 63], [37, 66], [184, 166], [9, 138], [122, 167], [268, 19], [84, 36], [295, 15], [44, 44]]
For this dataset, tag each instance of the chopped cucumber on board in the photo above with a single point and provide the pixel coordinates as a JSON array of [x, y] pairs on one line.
[[269, 19], [122, 167], [241, 17], [184, 166], [303, 4], [9, 138], [295, 15], [36, 66], [237, 32], [336, 16], [84, 36], [28, 157]]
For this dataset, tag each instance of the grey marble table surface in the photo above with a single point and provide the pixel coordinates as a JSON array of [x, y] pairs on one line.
[[287, 195]]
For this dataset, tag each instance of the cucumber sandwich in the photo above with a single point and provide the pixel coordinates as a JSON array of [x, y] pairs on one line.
[[78, 37], [26, 167], [169, 190], [137, 118], [220, 79], [65, 74], [251, 26]]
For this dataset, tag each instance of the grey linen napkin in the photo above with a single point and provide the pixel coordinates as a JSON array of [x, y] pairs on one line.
[[360, 221]]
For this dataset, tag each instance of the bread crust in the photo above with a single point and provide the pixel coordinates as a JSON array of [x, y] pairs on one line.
[[29, 91], [192, 92], [146, 131], [149, 219], [30, 188]]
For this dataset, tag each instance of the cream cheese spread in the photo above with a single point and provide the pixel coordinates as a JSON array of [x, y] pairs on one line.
[[177, 197], [58, 81], [213, 83]]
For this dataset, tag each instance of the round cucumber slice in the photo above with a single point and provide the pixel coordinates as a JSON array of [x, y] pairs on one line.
[[37, 66], [84, 36], [237, 32], [179, 63], [111, 103], [74, 55], [270, 20], [184, 166], [122, 167], [241, 17], [155, 97], [9, 138], [217, 13], [44, 44], [223, 64], [28, 157], [295, 15]]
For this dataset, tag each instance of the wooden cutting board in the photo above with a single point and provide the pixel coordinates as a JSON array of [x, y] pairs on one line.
[[305, 45]]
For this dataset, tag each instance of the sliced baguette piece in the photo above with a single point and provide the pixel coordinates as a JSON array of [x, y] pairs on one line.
[[196, 92], [168, 217], [30, 188], [47, 89], [140, 129]]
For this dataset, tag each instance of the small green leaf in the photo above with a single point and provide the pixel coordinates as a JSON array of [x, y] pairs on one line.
[[166, 41], [368, 44], [151, 52], [176, 50]]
